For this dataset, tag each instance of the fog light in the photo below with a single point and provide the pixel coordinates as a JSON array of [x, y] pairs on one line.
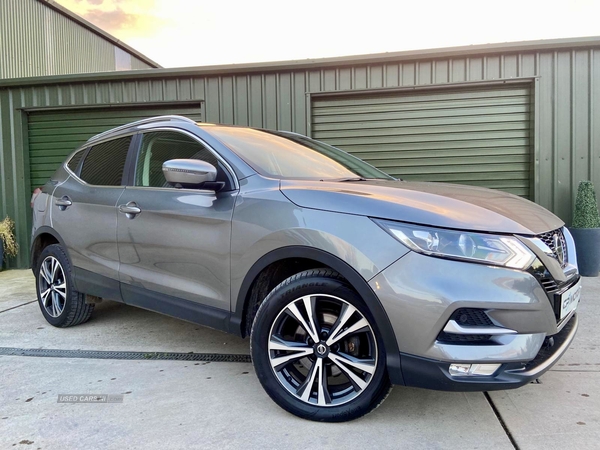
[[466, 370]]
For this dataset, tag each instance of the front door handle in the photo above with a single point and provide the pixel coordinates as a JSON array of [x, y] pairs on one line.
[[63, 203], [130, 210]]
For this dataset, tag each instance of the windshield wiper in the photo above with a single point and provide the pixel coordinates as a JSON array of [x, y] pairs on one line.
[[343, 180]]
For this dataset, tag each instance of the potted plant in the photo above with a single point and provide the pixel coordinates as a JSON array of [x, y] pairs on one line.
[[8, 243], [586, 230]]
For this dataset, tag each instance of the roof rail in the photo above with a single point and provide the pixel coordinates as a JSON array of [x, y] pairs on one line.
[[141, 122]]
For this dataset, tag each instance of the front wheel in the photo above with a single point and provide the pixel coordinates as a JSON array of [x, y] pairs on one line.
[[316, 349]]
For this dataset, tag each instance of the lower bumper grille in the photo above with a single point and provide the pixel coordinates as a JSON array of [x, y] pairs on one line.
[[471, 317], [552, 345], [451, 338], [468, 317]]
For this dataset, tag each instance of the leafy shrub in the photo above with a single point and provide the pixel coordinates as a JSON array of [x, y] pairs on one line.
[[586, 208], [7, 236]]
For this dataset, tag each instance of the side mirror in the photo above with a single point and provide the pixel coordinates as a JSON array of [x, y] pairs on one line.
[[189, 172]]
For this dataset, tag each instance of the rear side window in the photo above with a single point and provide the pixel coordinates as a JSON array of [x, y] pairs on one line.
[[104, 164], [74, 161], [161, 146]]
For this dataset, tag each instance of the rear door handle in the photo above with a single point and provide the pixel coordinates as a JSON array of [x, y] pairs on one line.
[[131, 209], [63, 203]]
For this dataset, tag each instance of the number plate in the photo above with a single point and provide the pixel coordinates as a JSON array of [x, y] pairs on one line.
[[569, 300]]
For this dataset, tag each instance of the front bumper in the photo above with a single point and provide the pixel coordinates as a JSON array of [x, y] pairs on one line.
[[432, 374], [420, 293]]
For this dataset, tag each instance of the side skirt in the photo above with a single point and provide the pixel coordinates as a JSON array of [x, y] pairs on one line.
[[176, 307]]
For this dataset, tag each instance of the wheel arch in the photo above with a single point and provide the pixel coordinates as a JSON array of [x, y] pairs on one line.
[[43, 237], [324, 259]]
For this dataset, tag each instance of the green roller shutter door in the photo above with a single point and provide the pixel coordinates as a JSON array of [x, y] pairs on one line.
[[55, 134], [479, 137]]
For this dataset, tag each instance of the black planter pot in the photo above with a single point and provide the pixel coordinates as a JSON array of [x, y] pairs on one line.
[[587, 243]]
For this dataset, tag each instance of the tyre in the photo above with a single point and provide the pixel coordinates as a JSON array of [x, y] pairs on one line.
[[316, 349], [61, 304]]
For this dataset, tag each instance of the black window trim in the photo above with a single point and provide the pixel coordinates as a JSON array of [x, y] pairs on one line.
[[77, 170], [129, 170], [134, 151]]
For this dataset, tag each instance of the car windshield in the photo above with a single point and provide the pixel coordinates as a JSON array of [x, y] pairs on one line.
[[292, 156]]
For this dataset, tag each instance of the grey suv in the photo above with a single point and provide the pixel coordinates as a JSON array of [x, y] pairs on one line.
[[346, 280]]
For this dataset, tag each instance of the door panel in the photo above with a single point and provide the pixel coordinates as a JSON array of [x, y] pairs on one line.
[[177, 245], [84, 214], [89, 225]]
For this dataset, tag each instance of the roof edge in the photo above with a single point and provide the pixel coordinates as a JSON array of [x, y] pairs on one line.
[[99, 31], [308, 64]]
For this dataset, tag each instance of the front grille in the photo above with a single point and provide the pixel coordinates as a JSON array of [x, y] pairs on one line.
[[549, 285], [556, 242], [557, 245]]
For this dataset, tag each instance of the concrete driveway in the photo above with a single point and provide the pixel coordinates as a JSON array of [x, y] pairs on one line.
[[201, 404]]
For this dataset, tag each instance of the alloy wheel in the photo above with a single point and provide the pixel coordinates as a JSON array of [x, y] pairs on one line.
[[52, 286], [322, 350]]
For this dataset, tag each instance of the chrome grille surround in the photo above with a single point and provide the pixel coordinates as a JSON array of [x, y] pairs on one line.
[[558, 245]]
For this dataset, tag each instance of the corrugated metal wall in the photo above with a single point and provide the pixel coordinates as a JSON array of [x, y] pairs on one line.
[[477, 136], [138, 64], [54, 134], [566, 108], [35, 40]]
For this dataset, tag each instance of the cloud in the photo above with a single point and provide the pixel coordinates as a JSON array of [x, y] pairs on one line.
[[113, 21], [124, 24], [80, 3], [122, 18]]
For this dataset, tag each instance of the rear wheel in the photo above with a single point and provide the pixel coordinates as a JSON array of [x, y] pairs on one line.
[[61, 304], [316, 349]]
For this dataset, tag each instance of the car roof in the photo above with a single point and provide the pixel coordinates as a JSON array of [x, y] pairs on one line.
[[128, 126], [170, 119]]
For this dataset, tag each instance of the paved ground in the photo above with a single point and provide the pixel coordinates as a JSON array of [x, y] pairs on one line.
[[180, 404]]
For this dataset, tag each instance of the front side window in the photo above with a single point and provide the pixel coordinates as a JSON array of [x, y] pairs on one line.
[[104, 164], [161, 146]]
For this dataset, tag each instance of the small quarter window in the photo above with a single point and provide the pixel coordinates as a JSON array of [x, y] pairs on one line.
[[162, 146], [104, 164], [74, 161]]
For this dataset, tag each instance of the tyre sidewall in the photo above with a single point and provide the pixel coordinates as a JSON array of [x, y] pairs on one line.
[[57, 252], [275, 302]]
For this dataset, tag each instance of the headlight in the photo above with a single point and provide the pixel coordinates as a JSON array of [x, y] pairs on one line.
[[505, 251]]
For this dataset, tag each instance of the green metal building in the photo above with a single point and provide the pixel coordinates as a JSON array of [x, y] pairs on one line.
[[522, 117], [40, 37]]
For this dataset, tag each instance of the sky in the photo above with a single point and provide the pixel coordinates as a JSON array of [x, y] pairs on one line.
[[179, 33]]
